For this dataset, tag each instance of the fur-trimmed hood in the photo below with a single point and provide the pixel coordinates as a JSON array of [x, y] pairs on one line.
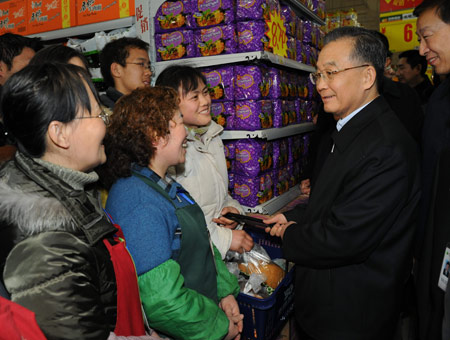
[[32, 212]]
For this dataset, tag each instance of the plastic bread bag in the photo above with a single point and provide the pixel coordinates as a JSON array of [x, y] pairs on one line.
[[257, 261]]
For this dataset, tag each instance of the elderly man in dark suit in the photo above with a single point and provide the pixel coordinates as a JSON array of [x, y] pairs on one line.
[[352, 243]]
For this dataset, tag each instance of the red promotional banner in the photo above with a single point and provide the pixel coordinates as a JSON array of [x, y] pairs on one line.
[[397, 5]]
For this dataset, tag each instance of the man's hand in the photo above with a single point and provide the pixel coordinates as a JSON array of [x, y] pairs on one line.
[[281, 223], [231, 308]]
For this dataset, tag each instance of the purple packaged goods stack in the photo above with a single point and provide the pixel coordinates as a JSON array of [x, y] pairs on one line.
[[302, 86], [221, 112], [252, 37], [213, 12], [292, 85], [253, 115], [248, 82], [275, 83], [252, 191], [281, 178], [277, 113], [256, 9], [303, 53], [298, 108], [291, 48], [290, 20], [253, 157], [216, 40], [174, 15], [220, 82], [230, 154], [175, 45], [284, 83]]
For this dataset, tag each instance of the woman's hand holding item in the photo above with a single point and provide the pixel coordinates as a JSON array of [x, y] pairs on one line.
[[241, 241], [225, 222]]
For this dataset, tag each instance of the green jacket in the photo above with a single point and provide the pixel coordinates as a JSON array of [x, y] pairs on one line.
[[165, 298]]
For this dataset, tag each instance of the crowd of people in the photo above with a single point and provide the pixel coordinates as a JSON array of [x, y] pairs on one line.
[[112, 206]]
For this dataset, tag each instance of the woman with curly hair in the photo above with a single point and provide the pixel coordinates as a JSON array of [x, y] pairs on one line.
[[186, 289]]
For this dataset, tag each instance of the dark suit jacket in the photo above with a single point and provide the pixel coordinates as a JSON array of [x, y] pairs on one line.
[[353, 241], [430, 297]]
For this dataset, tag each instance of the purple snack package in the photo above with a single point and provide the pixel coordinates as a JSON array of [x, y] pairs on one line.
[[289, 20], [299, 29], [230, 149], [212, 12], [301, 105], [292, 85], [220, 82], [174, 15], [308, 105], [285, 107], [175, 45], [298, 108], [230, 182], [292, 112], [251, 36], [295, 144], [303, 53], [291, 48], [253, 115], [275, 84], [302, 86], [281, 180], [248, 80], [307, 32], [256, 9], [216, 40], [253, 156], [311, 87], [277, 113], [284, 83], [220, 113], [313, 56], [275, 153], [254, 190]]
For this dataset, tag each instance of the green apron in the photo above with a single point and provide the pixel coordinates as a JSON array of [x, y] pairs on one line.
[[196, 257]]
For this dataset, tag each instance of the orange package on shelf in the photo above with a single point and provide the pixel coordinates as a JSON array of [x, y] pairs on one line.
[[50, 15], [13, 17], [91, 11]]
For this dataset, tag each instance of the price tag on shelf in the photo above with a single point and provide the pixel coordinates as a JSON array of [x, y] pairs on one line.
[[277, 34], [400, 28]]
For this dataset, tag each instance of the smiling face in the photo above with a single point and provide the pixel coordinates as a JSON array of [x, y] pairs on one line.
[[347, 90], [433, 35], [86, 149], [196, 106], [134, 74]]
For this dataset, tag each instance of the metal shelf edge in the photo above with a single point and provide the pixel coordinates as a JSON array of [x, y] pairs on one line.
[[235, 58], [276, 203], [269, 134], [85, 29], [306, 11]]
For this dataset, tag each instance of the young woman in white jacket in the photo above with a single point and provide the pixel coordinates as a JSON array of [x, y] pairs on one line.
[[204, 174]]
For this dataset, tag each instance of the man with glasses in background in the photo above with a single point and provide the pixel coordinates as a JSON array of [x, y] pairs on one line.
[[125, 66], [352, 243]]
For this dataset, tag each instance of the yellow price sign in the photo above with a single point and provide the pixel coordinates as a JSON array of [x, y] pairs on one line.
[[400, 28], [277, 34]]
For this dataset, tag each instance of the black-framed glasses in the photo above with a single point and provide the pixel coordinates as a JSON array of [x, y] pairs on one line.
[[146, 66], [104, 116], [329, 75]]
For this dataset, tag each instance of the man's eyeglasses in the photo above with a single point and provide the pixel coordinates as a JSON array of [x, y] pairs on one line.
[[146, 66], [104, 116], [329, 75]]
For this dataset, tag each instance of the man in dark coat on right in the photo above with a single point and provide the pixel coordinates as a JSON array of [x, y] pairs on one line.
[[352, 243]]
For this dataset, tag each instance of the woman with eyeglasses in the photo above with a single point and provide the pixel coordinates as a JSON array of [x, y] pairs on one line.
[[61, 256]]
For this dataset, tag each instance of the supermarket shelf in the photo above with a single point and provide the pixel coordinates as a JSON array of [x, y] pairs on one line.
[[85, 29], [275, 203], [235, 58], [305, 11], [269, 134]]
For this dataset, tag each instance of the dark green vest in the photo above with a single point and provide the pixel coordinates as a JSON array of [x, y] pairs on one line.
[[196, 257]]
